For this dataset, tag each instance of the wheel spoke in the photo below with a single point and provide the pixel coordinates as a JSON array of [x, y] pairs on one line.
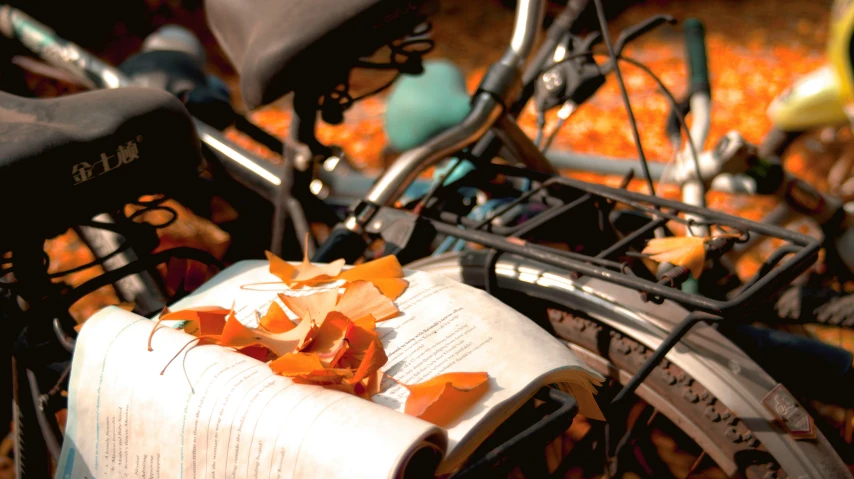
[[696, 463]]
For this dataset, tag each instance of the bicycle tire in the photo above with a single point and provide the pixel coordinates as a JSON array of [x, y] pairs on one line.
[[683, 399], [32, 459]]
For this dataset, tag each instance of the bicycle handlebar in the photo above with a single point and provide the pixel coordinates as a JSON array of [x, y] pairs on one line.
[[699, 88], [695, 49]]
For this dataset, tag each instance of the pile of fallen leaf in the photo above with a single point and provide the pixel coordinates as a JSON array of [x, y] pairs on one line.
[[334, 344]]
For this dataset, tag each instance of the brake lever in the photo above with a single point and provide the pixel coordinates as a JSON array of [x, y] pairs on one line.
[[631, 33], [570, 79], [590, 41]]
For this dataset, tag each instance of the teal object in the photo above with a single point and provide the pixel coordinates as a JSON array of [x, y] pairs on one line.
[[691, 286], [420, 107], [463, 169]]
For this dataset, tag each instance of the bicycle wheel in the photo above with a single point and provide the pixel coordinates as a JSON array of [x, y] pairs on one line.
[[32, 459], [707, 389]]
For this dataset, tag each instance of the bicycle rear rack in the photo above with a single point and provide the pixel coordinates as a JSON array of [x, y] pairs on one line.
[[601, 250]]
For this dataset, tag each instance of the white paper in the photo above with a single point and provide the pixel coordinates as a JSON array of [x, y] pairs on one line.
[[237, 420]]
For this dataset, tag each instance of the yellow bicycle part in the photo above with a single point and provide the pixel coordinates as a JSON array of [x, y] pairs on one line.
[[839, 47], [814, 101]]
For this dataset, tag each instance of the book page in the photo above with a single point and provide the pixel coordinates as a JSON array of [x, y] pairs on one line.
[[445, 326], [215, 413]]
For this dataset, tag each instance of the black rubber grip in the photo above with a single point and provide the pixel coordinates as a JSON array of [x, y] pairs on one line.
[[695, 49], [342, 243]]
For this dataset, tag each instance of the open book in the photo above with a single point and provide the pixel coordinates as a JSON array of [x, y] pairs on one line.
[[215, 413]]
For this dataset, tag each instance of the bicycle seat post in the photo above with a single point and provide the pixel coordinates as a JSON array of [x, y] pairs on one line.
[[298, 158]]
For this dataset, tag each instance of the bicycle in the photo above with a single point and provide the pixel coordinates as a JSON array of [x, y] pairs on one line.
[[610, 288]]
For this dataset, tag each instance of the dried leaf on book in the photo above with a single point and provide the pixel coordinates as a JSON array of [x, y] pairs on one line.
[[203, 321], [385, 273], [335, 343], [444, 398], [360, 299], [237, 335], [305, 273], [276, 320], [294, 364]]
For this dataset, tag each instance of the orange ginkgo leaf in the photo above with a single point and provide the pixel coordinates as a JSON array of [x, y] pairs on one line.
[[686, 251], [371, 385], [324, 376], [280, 268], [294, 364], [385, 273], [333, 358], [305, 273], [202, 321], [444, 397], [368, 323], [391, 288], [374, 358], [359, 337], [276, 320], [361, 298], [362, 333], [315, 305], [330, 338], [237, 335]]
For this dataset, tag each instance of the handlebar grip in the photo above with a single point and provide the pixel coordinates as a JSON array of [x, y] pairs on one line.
[[342, 243], [695, 49]]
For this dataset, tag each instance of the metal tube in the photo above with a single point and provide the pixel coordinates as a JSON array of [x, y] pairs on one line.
[[485, 110], [602, 165], [521, 146], [245, 167], [529, 18]]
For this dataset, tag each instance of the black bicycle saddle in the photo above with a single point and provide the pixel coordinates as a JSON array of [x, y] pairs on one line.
[[64, 160], [278, 46]]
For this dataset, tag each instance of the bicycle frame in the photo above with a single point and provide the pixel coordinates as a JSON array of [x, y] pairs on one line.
[[489, 115]]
